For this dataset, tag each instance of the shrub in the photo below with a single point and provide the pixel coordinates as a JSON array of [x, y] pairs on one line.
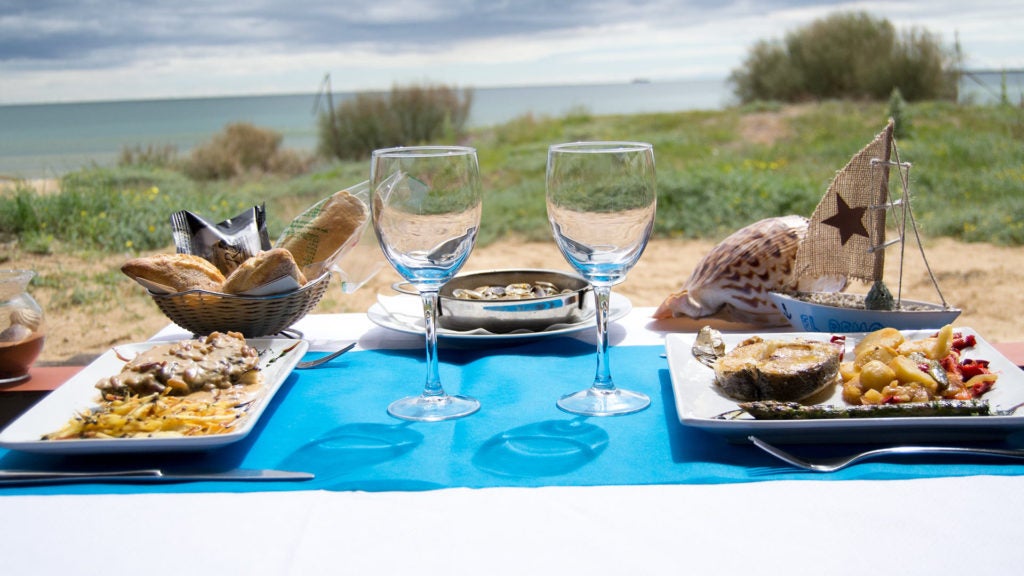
[[357, 127], [242, 148], [848, 55], [426, 113], [898, 113], [406, 116], [767, 74], [154, 156]]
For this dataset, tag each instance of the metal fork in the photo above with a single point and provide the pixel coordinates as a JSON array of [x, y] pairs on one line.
[[840, 462], [324, 359]]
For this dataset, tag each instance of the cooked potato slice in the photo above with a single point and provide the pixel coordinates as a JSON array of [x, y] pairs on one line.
[[888, 337], [876, 375]]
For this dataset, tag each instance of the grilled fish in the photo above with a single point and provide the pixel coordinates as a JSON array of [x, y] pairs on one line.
[[780, 370]]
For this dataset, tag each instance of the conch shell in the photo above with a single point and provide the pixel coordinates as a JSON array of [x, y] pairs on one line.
[[735, 277]]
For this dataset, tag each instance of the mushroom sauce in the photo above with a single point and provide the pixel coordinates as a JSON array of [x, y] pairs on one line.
[[215, 362]]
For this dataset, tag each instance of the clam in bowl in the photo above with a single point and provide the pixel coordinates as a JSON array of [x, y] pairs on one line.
[[504, 301]]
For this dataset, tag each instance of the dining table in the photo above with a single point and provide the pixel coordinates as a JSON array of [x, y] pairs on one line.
[[519, 487]]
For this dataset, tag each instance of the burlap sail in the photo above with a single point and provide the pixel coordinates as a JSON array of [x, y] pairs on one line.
[[844, 227]]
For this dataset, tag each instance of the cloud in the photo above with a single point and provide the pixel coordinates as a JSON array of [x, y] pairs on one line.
[[92, 49], [87, 33]]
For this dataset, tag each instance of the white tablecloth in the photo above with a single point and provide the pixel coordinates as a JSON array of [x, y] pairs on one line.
[[928, 527]]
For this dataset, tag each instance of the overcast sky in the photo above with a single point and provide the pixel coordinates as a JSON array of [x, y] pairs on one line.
[[75, 50]]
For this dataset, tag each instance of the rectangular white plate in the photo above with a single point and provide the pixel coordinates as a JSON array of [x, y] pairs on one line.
[[698, 401], [79, 393]]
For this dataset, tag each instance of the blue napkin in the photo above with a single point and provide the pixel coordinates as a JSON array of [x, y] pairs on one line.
[[332, 421]]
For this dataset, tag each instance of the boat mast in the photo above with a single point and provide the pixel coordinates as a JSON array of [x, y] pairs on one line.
[[880, 206], [879, 297]]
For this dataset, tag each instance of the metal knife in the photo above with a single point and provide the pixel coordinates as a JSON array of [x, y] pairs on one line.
[[148, 476]]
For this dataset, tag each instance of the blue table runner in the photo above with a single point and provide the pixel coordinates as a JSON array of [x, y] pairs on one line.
[[332, 421]]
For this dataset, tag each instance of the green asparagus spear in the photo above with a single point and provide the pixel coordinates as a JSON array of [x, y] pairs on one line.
[[772, 410]]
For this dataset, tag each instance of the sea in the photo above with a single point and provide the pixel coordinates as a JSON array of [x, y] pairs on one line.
[[40, 141]]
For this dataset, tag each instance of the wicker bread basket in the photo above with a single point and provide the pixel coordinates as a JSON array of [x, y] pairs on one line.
[[202, 312]]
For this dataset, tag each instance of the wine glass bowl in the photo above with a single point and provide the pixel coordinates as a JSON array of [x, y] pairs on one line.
[[426, 205], [601, 202]]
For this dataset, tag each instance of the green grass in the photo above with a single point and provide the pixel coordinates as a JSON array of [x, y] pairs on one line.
[[967, 178]]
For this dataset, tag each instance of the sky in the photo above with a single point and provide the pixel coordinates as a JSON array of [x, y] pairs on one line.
[[90, 50]]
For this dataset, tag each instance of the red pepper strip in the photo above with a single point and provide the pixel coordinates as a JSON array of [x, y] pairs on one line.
[[970, 368], [952, 366], [980, 388], [960, 341]]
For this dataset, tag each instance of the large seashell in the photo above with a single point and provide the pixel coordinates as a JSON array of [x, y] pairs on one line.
[[26, 317], [736, 276]]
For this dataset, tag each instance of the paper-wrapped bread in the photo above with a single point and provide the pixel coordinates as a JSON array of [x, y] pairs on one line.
[[318, 236]]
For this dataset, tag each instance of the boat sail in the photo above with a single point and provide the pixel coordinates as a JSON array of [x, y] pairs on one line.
[[846, 233]]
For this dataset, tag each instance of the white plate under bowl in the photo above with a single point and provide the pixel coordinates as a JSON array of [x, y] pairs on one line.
[[812, 317], [80, 393], [403, 314], [699, 401]]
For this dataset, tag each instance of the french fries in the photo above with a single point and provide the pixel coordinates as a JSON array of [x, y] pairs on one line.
[[154, 415]]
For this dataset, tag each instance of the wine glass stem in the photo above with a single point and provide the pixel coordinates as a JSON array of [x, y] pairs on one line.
[[433, 384], [603, 378]]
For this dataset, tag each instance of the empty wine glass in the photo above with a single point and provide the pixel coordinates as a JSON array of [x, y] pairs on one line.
[[601, 199], [426, 204]]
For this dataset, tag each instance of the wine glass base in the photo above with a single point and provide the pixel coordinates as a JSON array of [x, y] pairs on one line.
[[599, 402], [433, 408]]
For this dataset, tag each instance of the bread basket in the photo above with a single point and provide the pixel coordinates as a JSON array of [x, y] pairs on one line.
[[202, 312]]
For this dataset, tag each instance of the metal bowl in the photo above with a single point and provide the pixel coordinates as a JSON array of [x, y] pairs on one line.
[[503, 316]]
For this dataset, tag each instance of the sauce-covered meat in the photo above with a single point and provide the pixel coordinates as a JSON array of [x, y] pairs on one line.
[[217, 361]]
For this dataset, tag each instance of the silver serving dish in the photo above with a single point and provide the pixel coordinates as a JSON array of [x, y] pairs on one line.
[[503, 316]]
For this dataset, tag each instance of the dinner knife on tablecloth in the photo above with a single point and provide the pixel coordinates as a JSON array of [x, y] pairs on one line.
[[149, 475]]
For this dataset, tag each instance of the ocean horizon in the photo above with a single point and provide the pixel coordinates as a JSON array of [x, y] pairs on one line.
[[49, 140]]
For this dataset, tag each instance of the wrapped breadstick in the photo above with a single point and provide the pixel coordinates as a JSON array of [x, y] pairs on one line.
[[322, 234]]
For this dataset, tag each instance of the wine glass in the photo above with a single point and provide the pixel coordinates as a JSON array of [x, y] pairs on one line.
[[426, 204], [601, 199]]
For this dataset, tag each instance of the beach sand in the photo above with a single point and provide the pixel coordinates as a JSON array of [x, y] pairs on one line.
[[41, 185]]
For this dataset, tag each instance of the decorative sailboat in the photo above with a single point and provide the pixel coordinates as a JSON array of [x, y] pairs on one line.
[[846, 238]]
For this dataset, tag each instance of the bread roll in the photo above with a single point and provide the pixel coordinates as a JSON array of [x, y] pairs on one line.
[[179, 272], [317, 236], [262, 268]]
